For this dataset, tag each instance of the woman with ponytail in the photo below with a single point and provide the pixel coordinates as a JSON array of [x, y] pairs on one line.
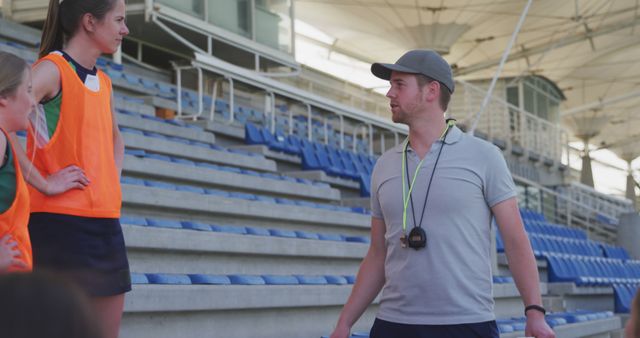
[[77, 232], [16, 102]]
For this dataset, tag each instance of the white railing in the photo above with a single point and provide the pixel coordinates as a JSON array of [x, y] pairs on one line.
[[504, 121], [606, 206], [576, 206], [341, 91]]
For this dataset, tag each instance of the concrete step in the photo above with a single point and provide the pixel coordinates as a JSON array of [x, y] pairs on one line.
[[195, 153], [156, 250], [270, 311], [583, 298], [165, 128], [210, 178], [168, 202]]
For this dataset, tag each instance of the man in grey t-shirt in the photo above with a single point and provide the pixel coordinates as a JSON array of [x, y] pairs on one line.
[[433, 198]]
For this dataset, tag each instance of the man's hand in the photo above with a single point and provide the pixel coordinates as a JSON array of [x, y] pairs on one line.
[[341, 331], [537, 326]]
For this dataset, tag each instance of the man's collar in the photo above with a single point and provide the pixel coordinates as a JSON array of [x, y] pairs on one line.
[[454, 135]]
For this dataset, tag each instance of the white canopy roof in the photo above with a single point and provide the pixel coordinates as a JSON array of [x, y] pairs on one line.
[[589, 48]]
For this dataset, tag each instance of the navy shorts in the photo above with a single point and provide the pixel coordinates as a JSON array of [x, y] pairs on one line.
[[88, 251], [384, 329]]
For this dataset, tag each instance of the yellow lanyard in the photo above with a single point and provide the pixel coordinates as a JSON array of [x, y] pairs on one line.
[[406, 197]]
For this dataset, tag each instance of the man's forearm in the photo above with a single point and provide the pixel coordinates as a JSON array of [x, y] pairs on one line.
[[369, 282], [524, 270]]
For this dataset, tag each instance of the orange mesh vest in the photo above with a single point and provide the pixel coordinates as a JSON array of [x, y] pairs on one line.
[[14, 221], [83, 137]]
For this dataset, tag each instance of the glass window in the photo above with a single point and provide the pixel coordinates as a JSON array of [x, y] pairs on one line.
[[273, 24], [191, 7], [232, 15], [269, 20], [529, 98], [512, 96]]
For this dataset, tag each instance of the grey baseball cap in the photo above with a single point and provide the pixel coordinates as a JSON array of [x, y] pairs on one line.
[[419, 61]]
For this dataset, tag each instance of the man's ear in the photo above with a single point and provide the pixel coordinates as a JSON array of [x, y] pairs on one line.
[[432, 91]]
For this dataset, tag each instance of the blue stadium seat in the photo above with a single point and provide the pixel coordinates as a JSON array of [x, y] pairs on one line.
[[611, 251], [623, 296], [246, 280], [365, 185], [164, 223], [158, 157], [166, 91], [336, 280], [139, 278], [253, 135], [196, 226], [504, 327], [183, 161], [258, 231], [131, 130], [166, 278], [280, 280], [309, 159], [311, 280], [331, 237], [216, 192], [499, 242], [307, 235], [266, 199], [242, 195], [132, 79], [229, 229], [282, 233], [160, 185], [286, 201], [132, 181], [230, 169], [135, 152], [209, 279], [357, 239], [502, 279], [272, 141], [133, 220]]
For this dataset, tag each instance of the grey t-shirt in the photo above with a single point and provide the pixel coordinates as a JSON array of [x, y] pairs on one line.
[[449, 281]]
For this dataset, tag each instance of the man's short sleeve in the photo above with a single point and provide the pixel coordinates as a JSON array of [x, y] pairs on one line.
[[376, 210], [498, 185]]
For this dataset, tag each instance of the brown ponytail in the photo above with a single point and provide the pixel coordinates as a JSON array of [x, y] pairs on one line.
[[63, 19], [52, 37]]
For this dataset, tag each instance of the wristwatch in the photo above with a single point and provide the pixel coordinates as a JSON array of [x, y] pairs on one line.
[[535, 307]]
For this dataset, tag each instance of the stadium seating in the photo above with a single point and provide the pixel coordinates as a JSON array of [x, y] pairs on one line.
[[223, 239], [591, 271], [624, 294]]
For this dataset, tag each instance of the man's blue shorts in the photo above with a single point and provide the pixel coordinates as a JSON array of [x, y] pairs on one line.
[[384, 329]]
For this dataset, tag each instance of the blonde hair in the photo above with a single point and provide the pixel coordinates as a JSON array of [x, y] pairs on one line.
[[11, 73]]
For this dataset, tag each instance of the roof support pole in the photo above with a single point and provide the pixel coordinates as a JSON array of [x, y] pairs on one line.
[[505, 55]]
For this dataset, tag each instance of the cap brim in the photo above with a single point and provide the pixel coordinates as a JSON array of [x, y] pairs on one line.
[[383, 70]]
